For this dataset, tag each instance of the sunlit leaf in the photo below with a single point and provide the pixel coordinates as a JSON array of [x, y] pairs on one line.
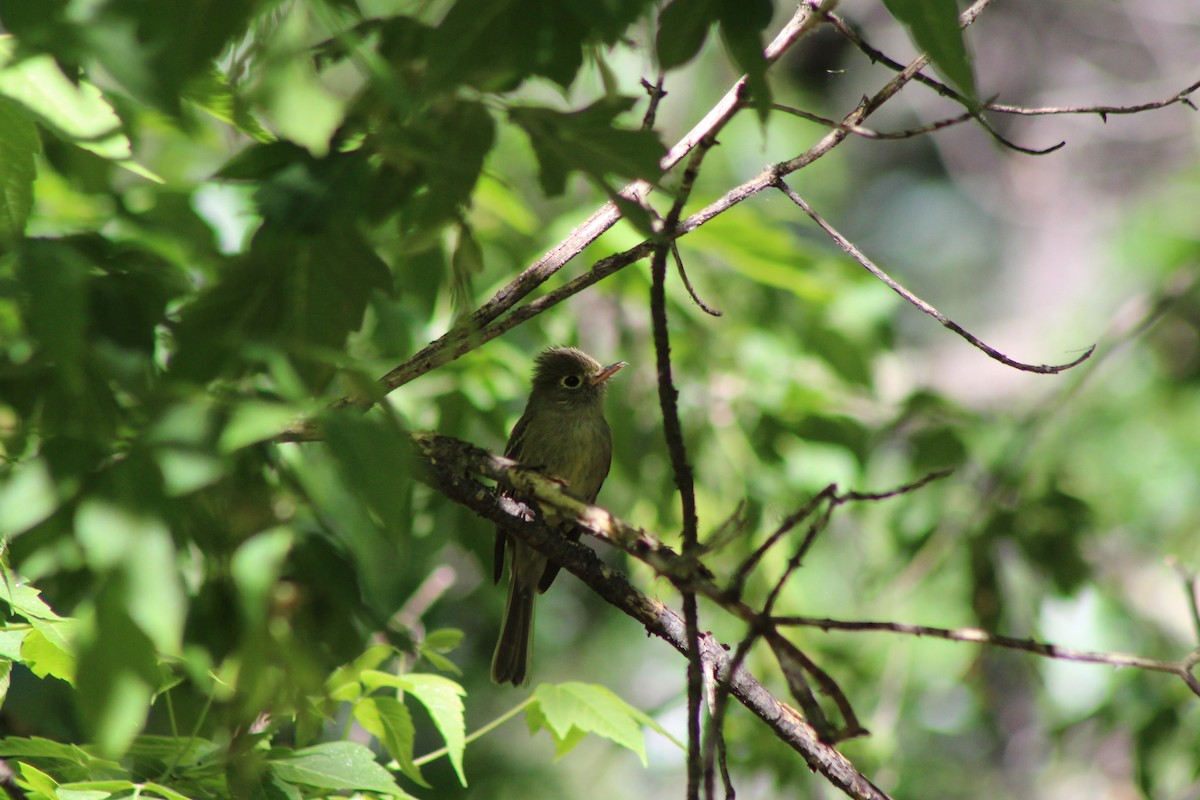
[[335, 765]]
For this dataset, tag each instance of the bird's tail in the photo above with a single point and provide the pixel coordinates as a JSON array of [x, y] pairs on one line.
[[510, 662]]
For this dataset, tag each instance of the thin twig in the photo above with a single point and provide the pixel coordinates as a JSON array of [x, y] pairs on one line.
[[657, 93], [908, 133], [1182, 97], [687, 284], [857, 255], [1181, 667]]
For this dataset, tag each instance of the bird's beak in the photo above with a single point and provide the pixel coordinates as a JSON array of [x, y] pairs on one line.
[[606, 373]]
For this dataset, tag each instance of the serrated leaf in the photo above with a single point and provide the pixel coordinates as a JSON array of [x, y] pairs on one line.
[[10, 642], [5, 679], [34, 780], [75, 111], [47, 652], [571, 709], [442, 698], [933, 26], [212, 93], [389, 721], [302, 293], [335, 765], [23, 598], [587, 141]]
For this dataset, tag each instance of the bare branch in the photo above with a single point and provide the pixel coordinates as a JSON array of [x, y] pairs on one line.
[[1182, 97], [857, 255], [1182, 667]]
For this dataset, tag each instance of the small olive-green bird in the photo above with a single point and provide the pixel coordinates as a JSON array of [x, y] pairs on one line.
[[563, 431]]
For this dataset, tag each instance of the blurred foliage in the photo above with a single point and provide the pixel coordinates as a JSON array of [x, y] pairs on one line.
[[217, 217]]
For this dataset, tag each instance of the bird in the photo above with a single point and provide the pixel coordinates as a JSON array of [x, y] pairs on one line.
[[564, 433]]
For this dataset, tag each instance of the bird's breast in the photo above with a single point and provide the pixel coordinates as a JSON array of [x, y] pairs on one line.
[[576, 448]]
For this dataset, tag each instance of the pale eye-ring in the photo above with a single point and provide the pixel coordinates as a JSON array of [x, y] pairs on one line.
[[571, 381]]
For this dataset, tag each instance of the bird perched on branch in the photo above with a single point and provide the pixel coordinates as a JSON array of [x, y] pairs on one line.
[[564, 433]]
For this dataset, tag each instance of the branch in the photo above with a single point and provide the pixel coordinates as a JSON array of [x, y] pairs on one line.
[[857, 255], [449, 463], [466, 336], [1181, 667]]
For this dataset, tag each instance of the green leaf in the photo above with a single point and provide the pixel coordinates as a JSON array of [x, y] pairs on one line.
[[47, 650], [212, 93], [75, 111], [55, 274], [335, 765], [114, 538], [94, 790], [117, 673], [587, 141], [292, 96], [742, 23], [11, 640], [465, 264], [255, 568], [19, 144], [38, 747], [933, 26], [682, 28], [271, 787], [453, 142], [255, 421], [374, 455], [571, 710], [154, 50], [302, 293], [443, 640], [389, 721], [344, 683], [5, 679], [437, 642], [28, 496], [23, 598], [34, 780], [442, 698]]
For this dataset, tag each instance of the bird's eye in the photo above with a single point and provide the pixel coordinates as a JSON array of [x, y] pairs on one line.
[[571, 381]]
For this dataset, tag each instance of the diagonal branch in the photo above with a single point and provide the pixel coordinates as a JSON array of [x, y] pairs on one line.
[[463, 337], [449, 462], [857, 255]]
